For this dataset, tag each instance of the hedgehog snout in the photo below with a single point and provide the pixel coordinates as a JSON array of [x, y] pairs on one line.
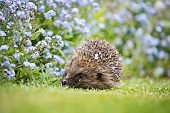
[[64, 82]]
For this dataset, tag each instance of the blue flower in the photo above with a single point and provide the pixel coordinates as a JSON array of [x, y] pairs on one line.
[[49, 14], [28, 43], [83, 2], [16, 56], [5, 63], [150, 58], [49, 2], [59, 59], [9, 24], [148, 40], [64, 15], [59, 40], [41, 8], [65, 24], [62, 72], [48, 65], [2, 18], [48, 56], [139, 32], [42, 31], [27, 64], [8, 2], [3, 47], [50, 33], [29, 26], [158, 28], [85, 30], [75, 11], [56, 72], [148, 9], [159, 71], [35, 55], [29, 49], [43, 43], [168, 72], [142, 18], [31, 6], [21, 14], [161, 54], [27, 34], [135, 6], [128, 61], [79, 21], [13, 65], [48, 39], [10, 73], [102, 25], [30, 65], [52, 70], [18, 39], [2, 33], [57, 22], [96, 6]]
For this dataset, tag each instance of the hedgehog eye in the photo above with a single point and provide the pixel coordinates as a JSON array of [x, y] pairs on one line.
[[99, 75], [80, 75]]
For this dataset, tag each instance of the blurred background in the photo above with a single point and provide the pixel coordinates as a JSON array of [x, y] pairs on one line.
[[140, 31]]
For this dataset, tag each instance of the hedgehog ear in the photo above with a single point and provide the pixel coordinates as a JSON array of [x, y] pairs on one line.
[[99, 75]]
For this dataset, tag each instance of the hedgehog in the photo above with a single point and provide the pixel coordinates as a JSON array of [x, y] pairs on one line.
[[95, 64]]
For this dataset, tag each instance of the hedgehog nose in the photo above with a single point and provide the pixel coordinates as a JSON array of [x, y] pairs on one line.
[[64, 82]]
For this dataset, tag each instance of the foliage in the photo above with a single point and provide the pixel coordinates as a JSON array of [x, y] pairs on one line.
[[35, 36]]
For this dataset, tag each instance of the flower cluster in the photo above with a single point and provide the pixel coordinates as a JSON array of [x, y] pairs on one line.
[[33, 32], [16, 30]]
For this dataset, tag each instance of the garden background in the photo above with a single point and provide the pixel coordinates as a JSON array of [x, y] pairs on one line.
[[37, 36]]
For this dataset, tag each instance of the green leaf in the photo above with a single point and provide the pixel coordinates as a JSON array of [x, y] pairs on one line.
[[62, 54], [35, 36]]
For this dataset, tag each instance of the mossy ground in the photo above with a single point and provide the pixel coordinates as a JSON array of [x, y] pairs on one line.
[[136, 96]]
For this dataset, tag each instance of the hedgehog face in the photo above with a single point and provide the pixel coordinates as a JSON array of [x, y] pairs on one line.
[[82, 73]]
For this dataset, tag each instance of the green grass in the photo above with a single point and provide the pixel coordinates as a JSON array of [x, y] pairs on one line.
[[135, 96]]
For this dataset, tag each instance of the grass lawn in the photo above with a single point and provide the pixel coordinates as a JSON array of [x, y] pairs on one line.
[[136, 96]]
